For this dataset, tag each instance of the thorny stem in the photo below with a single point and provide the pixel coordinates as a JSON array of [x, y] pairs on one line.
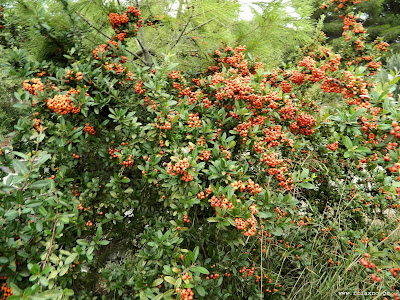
[[52, 236], [32, 161]]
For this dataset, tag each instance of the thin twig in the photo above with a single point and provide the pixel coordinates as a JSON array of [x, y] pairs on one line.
[[154, 38], [201, 25], [32, 161], [183, 31], [51, 243]]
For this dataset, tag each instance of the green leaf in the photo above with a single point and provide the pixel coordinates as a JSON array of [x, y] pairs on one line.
[[143, 296], [170, 279], [347, 154], [15, 297], [201, 291], [38, 184], [50, 294], [35, 269], [200, 269], [307, 185], [15, 289], [158, 281], [70, 258], [304, 173], [3, 260], [212, 219], [195, 253], [42, 159], [19, 167], [11, 215], [42, 211], [278, 231], [264, 215], [82, 242], [99, 232], [347, 142], [178, 283]]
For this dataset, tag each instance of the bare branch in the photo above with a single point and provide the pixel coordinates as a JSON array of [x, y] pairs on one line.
[[154, 38], [201, 25], [183, 31]]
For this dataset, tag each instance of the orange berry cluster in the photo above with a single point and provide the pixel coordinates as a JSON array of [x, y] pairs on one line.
[[396, 130], [63, 105], [220, 202], [80, 207], [227, 153], [100, 48], [286, 87], [115, 67], [252, 188], [129, 162], [89, 129], [271, 160], [394, 271], [342, 4], [194, 120], [70, 76], [34, 87], [186, 219], [116, 20], [381, 46], [180, 168], [186, 294], [304, 124], [89, 223], [7, 292], [41, 74], [288, 111], [76, 156], [186, 276], [242, 225], [112, 151], [138, 87], [367, 264], [297, 77], [120, 21], [395, 168], [37, 123], [214, 276], [333, 146], [204, 155]]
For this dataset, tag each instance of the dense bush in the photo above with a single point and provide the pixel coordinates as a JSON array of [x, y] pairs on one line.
[[228, 184]]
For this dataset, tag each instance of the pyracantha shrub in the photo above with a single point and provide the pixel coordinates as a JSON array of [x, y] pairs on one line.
[[230, 183]]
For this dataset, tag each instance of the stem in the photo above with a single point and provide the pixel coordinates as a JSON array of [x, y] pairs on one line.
[[53, 234], [201, 25], [32, 161], [261, 257], [183, 31], [142, 43]]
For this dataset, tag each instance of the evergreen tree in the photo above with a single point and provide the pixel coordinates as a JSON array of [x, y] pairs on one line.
[[379, 17]]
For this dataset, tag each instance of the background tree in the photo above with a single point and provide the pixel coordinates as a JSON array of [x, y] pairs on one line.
[[379, 17]]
